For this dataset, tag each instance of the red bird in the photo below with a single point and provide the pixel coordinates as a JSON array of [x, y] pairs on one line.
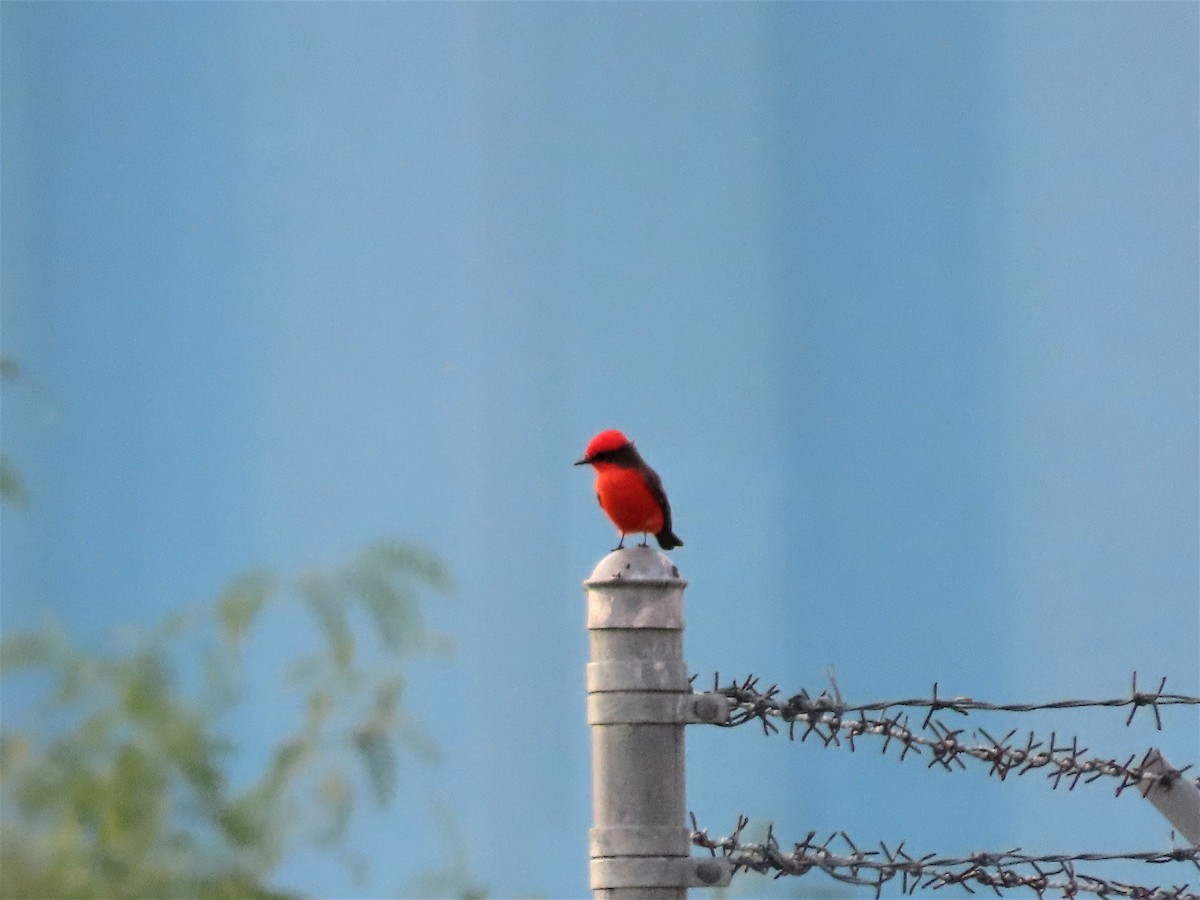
[[629, 491]]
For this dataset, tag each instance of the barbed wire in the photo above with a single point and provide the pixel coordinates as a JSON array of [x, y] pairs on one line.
[[803, 703], [875, 868], [831, 720]]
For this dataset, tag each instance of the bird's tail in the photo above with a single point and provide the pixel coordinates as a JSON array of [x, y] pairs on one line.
[[668, 539]]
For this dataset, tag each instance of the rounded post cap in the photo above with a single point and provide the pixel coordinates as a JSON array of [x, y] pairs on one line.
[[635, 565]]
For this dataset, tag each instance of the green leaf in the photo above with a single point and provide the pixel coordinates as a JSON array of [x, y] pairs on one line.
[[320, 704], [97, 729], [411, 560], [286, 759], [392, 609], [144, 684], [247, 822], [379, 759], [12, 487], [76, 676], [385, 577], [9, 368], [387, 700], [233, 886], [32, 650], [192, 751], [451, 879], [335, 797], [241, 602], [327, 603], [359, 869], [439, 645], [138, 796], [14, 751], [417, 741]]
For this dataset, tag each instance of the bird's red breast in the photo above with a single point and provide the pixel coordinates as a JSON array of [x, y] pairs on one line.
[[627, 499]]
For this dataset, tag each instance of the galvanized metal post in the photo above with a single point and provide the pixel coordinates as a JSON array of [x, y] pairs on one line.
[[1178, 799], [639, 700]]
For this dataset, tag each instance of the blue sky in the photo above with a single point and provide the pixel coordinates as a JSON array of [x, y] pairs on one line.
[[900, 300]]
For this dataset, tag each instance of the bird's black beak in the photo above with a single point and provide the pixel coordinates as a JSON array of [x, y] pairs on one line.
[[583, 462]]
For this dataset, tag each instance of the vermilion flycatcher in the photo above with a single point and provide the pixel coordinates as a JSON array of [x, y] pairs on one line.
[[629, 490]]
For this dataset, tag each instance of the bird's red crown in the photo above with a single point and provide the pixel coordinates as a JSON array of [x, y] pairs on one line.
[[605, 441]]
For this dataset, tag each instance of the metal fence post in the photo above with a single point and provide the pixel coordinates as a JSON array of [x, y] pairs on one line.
[[639, 700], [1178, 799]]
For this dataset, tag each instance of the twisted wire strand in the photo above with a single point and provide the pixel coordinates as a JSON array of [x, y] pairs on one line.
[[875, 868], [831, 720], [803, 703]]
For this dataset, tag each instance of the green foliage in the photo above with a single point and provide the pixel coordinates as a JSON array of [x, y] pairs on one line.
[[119, 788], [32, 650], [12, 487], [241, 602], [453, 878]]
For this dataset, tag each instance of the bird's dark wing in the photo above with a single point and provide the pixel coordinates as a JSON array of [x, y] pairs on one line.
[[656, 488], [666, 537], [629, 457]]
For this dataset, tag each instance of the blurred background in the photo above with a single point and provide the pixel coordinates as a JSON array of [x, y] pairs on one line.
[[899, 299]]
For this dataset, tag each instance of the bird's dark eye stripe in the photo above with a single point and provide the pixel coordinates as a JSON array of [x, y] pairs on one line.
[[622, 456]]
